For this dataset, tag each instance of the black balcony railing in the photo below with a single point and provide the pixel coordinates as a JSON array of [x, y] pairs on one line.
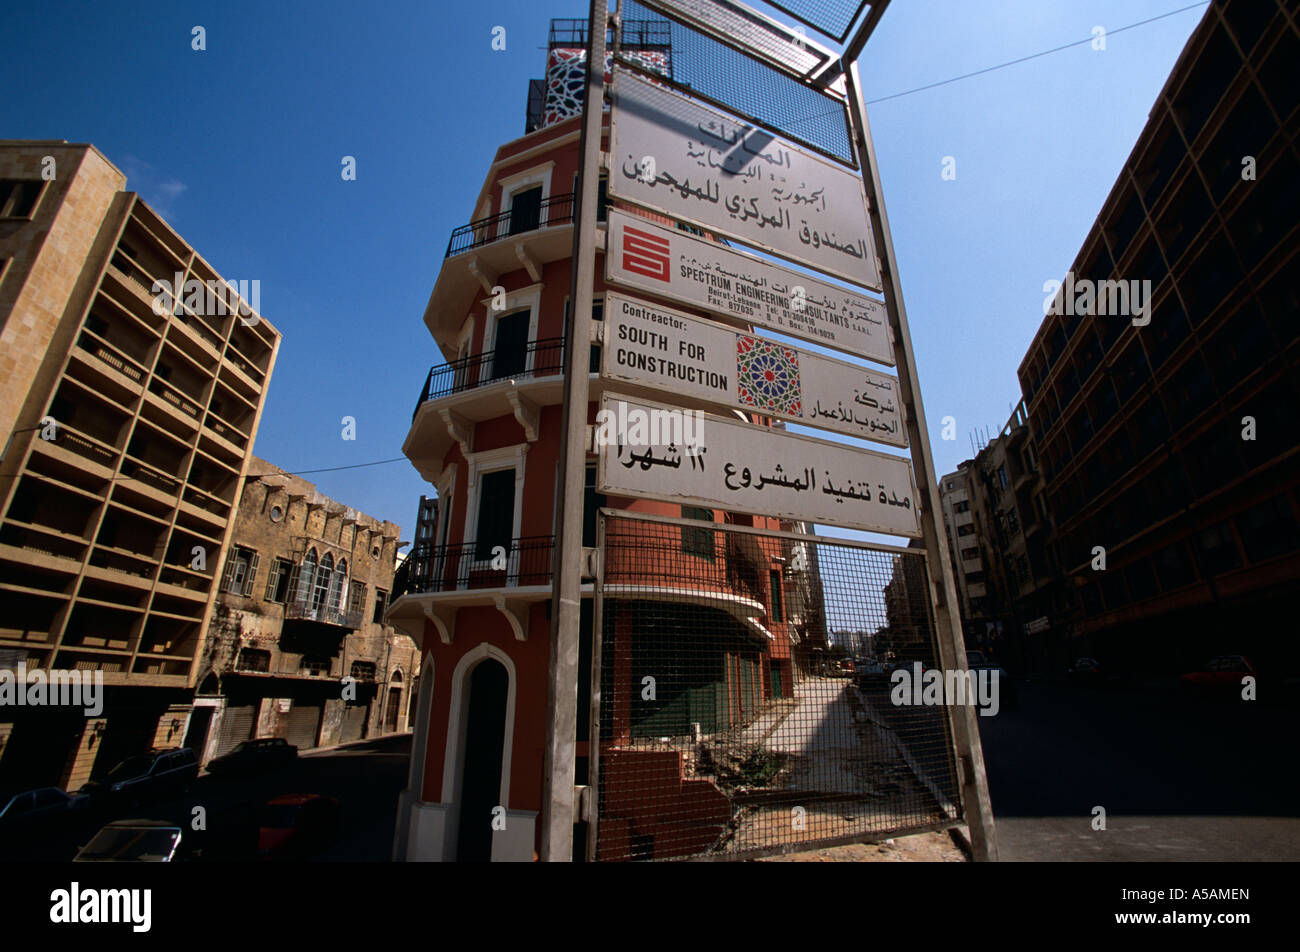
[[556, 210], [537, 358], [472, 565], [310, 610]]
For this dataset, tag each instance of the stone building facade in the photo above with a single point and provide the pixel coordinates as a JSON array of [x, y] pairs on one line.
[[127, 418], [297, 647]]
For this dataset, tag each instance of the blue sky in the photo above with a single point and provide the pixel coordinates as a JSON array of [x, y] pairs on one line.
[[240, 146]]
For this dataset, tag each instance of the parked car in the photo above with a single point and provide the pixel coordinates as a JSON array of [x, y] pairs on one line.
[[1220, 675], [132, 841], [34, 823], [162, 772], [872, 669], [255, 756], [37, 807], [296, 825]]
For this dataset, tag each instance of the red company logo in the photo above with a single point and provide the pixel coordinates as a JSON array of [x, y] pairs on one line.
[[644, 253]]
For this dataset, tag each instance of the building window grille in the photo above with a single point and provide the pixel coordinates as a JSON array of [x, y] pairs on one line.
[[356, 598], [314, 666], [321, 587], [254, 659]]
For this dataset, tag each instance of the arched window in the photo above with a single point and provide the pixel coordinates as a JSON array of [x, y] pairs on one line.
[[306, 577], [324, 574], [338, 585]]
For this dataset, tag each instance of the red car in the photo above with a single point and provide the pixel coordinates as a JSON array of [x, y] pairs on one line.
[[296, 825], [1222, 673]]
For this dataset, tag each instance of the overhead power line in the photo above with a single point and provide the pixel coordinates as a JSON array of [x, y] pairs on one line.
[[1025, 59]]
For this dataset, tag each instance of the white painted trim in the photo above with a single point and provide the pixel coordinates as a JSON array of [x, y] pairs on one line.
[[464, 340], [530, 298], [454, 760], [489, 461], [542, 147], [420, 739], [511, 185]]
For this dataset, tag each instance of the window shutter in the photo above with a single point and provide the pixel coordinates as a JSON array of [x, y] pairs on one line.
[[252, 574], [277, 567], [228, 574]]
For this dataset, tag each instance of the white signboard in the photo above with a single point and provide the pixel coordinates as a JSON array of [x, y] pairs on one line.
[[700, 165], [674, 264], [665, 349], [659, 452]]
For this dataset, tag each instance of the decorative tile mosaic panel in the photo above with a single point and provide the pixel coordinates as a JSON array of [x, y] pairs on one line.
[[767, 375], [566, 77]]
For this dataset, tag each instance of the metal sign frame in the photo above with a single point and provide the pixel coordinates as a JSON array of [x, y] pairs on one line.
[[632, 127], [560, 796]]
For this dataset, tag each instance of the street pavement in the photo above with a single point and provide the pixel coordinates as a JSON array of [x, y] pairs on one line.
[[1179, 778]]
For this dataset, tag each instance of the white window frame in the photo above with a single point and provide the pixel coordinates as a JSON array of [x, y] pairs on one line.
[[490, 461], [528, 297], [464, 348], [446, 487], [453, 763], [511, 185]]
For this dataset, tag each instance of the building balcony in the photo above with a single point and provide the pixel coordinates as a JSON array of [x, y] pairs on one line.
[[478, 388], [435, 581], [308, 610], [538, 358], [473, 565], [556, 210], [260, 663], [479, 253]]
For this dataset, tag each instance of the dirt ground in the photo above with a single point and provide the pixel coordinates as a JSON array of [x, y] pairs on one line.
[[918, 848]]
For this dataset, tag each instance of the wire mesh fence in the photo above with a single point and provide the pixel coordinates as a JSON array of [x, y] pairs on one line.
[[709, 69], [745, 705], [831, 17]]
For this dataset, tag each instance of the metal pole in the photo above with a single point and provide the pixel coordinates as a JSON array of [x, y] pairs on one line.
[[566, 582], [952, 646]]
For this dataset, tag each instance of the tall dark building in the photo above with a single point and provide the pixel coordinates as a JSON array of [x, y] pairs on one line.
[[1172, 444]]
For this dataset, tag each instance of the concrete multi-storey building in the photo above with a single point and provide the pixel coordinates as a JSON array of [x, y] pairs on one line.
[[1170, 443], [964, 548], [1023, 597], [487, 434], [128, 416], [297, 647]]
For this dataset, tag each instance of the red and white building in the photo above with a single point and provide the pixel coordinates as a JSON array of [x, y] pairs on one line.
[[487, 435]]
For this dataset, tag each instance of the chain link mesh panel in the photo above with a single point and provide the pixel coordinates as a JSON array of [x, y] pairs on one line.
[[744, 704], [714, 71], [831, 17]]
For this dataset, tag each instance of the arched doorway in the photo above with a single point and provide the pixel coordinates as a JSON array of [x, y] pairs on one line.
[[483, 743], [393, 711]]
